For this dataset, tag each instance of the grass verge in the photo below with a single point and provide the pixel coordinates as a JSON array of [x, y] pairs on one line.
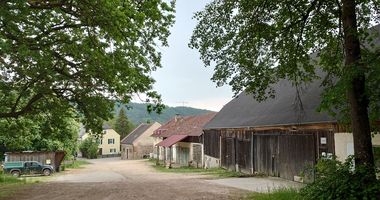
[[216, 172], [10, 184], [76, 164], [280, 194]]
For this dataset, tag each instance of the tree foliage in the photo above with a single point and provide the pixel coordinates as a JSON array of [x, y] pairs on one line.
[[337, 180], [122, 124], [43, 132], [89, 148], [254, 44], [81, 54]]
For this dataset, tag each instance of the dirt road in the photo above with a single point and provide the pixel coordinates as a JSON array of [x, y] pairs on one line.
[[119, 179]]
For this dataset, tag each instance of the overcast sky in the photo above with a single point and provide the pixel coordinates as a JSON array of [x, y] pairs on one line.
[[183, 77]]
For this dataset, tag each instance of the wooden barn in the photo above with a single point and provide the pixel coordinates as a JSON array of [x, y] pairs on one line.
[[45, 157], [278, 137]]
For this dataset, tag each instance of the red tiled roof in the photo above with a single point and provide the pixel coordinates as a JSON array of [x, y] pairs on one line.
[[171, 140], [189, 125]]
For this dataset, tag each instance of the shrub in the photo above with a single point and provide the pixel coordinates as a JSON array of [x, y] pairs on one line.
[[337, 180], [89, 148]]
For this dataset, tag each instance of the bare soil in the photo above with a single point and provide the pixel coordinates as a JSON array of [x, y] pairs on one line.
[[113, 179]]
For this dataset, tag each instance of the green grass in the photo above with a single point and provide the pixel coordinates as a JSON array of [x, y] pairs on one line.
[[76, 164], [216, 172], [280, 194], [10, 184]]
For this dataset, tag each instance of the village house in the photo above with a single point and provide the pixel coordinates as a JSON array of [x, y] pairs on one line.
[[179, 141], [138, 144], [278, 137], [109, 143]]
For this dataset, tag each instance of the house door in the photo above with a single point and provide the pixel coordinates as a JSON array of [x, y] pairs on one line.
[[184, 156]]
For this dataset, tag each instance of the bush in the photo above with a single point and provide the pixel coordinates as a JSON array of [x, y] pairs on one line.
[[337, 180], [89, 148]]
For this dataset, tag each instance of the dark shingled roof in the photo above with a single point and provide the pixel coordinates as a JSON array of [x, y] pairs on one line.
[[245, 111], [132, 136]]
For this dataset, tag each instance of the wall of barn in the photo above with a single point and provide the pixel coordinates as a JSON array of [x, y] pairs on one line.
[[279, 152], [344, 144]]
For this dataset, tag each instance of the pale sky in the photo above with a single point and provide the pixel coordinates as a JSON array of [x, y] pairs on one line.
[[183, 77]]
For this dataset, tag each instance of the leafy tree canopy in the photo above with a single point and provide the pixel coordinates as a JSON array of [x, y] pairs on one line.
[[253, 44], [80, 54], [57, 130]]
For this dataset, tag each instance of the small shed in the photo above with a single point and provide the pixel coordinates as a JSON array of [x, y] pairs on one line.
[[45, 157]]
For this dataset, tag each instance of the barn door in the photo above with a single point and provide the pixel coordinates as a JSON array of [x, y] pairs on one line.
[[297, 154], [266, 154], [230, 154], [243, 155]]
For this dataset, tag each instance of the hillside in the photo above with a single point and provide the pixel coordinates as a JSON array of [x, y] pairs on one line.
[[137, 112]]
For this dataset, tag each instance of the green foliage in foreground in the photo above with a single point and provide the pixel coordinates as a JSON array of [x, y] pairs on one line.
[[280, 194], [10, 184], [8, 179], [336, 180]]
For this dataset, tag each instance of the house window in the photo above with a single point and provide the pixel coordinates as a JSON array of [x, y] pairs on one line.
[[111, 141], [112, 150]]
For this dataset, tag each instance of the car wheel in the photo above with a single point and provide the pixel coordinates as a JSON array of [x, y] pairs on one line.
[[15, 173], [47, 172]]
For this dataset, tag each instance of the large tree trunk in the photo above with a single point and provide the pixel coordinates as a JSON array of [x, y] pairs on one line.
[[356, 90]]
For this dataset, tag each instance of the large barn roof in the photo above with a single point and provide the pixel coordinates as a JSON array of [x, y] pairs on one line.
[[245, 111]]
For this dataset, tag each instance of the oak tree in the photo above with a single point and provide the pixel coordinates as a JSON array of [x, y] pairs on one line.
[[82, 54]]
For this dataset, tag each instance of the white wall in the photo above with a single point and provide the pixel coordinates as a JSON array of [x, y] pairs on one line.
[[344, 144], [211, 162]]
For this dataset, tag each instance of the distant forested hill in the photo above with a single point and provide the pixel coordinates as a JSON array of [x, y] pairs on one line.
[[137, 112]]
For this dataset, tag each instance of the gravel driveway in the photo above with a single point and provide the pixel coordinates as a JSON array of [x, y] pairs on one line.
[[113, 179]]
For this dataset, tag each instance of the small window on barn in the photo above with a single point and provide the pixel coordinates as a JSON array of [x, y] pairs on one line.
[[111, 141]]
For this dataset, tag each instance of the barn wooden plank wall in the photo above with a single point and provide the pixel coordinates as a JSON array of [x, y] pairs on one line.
[[211, 143], [283, 152]]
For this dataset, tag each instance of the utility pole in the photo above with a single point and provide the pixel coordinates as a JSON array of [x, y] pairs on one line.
[[183, 106], [183, 103]]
